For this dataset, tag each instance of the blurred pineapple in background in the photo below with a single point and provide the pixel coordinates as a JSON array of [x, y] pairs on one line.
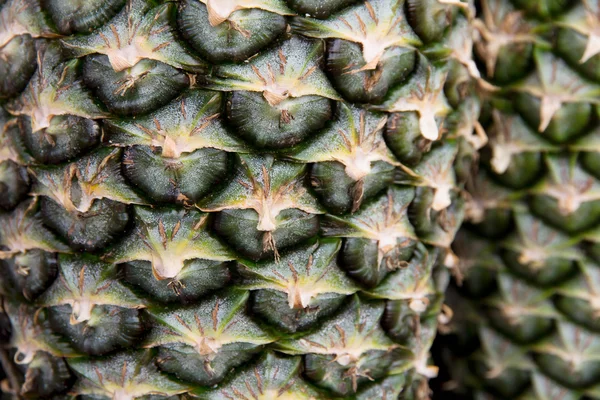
[[528, 311]]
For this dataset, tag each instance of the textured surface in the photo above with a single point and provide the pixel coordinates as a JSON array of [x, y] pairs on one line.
[[229, 199], [528, 310]]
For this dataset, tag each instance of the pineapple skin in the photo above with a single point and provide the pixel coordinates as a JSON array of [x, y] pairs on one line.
[[230, 199], [528, 300]]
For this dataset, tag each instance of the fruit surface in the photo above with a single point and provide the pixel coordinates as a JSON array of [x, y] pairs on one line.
[[528, 309], [229, 199]]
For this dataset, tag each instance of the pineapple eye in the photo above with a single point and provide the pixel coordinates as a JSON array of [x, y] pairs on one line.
[[243, 34], [342, 194], [14, 183], [66, 138], [88, 231], [29, 275], [72, 16], [17, 65], [281, 126], [143, 88], [185, 179], [368, 86], [195, 280]]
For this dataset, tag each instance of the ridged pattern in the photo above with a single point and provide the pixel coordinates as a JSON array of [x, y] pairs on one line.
[[215, 200]]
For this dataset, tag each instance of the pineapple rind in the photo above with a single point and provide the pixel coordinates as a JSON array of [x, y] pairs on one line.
[[259, 221]]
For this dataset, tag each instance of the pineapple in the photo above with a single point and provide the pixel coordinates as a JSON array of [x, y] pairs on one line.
[[230, 199], [529, 253]]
